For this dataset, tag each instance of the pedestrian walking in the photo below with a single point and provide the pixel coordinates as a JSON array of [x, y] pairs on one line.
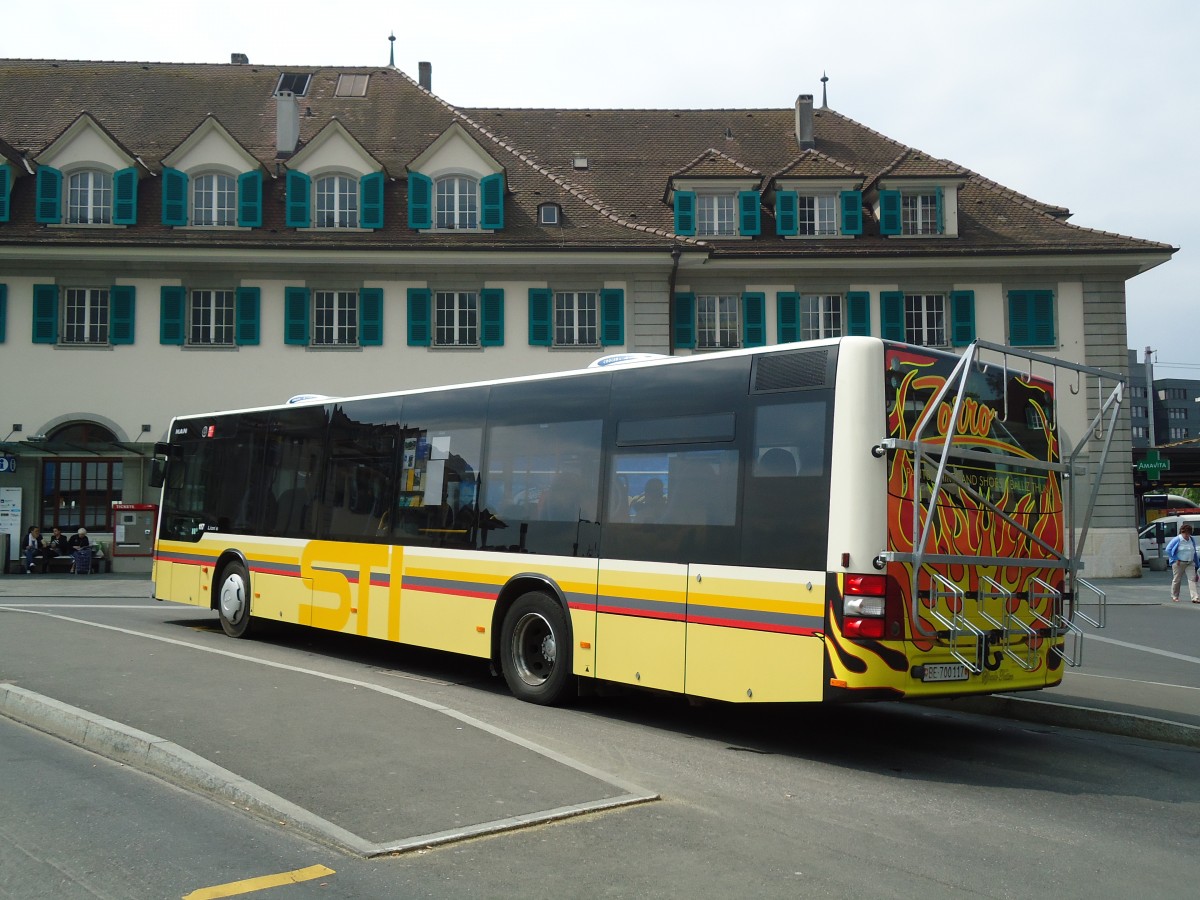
[[1182, 554]]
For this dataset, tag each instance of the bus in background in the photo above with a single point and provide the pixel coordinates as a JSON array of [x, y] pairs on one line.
[[1155, 506], [847, 519]]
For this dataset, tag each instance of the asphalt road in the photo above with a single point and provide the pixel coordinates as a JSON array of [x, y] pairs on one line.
[[637, 795]]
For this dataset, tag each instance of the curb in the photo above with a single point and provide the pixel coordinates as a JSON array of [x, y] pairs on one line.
[[1065, 715], [149, 753]]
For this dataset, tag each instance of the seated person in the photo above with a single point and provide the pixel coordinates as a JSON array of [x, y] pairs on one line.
[[81, 550], [33, 548], [652, 504]]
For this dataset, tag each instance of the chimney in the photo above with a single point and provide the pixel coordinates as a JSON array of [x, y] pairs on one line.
[[287, 123], [425, 76], [239, 59], [804, 122]]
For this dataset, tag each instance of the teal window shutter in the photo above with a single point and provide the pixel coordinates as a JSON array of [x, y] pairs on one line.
[[370, 188], [962, 318], [125, 184], [612, 317], [299, 210], [1031, 318], [172, 307], [49, 196], [858, 313], [683, 324], [685, 212], [174, 197], [250, 186], [491, 317], [541, 332], [750, 212], [754, 319], [787, 317], [889, 212], [941, 215], [418, 317], [420, 202], [296, 312], [852, 217], [370, 318], [787, 220], [3, 312], [5, 189], [491, 206], [247, 301], [891, 308], [122, 302], [45, 313]]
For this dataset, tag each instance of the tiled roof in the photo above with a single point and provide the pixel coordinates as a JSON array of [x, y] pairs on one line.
[[616, 202]]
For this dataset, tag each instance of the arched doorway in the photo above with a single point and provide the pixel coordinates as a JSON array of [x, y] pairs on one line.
[[80, 480]]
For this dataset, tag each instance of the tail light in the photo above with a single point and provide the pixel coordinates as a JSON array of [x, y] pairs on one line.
[[866, 609]]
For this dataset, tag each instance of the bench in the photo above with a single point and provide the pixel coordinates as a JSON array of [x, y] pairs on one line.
[[66, 563]]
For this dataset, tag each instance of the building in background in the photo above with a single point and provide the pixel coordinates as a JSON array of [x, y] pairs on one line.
[[178, 238]]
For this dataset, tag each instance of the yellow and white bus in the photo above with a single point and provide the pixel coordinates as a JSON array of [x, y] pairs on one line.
[[832, 520]]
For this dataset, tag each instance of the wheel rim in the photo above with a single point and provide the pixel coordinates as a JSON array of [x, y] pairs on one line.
[[534, 649], [233, 598]]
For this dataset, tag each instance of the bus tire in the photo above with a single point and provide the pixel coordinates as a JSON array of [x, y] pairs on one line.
[[233, 600], [535, 650]]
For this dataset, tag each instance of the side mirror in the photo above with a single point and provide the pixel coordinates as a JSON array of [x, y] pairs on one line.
[[158, 472]]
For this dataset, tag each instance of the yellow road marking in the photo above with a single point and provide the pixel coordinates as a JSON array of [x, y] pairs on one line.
[[257, 884]]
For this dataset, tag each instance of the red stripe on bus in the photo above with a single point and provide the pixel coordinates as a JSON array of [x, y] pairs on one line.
[[456, 592]]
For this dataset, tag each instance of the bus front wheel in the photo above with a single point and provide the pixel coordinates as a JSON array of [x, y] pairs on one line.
[[233, 600], [535, 650]]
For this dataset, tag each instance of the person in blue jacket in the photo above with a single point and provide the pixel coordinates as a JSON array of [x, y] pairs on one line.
[[1182, 553]]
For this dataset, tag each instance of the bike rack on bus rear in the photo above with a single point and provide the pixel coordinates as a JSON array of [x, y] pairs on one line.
[[966, 641]]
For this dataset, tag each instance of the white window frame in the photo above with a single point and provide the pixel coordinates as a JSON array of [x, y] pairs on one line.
[[210, 318], [820, 316], [86, 314], [335, 320], [716, 214], [817, 215], [718, 323], [577, 318], [456, 203], [918, 212], [335, 201], [456, 319], [925, 320], [351, 85], [548, 214], [214, 199], [89, 197]]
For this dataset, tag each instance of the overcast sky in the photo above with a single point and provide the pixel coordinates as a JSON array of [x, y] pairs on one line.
[[1087, 104]]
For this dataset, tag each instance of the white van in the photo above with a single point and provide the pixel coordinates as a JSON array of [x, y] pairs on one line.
[[1159, 533]]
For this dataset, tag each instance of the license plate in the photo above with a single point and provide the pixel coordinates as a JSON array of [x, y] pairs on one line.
[[944, 672]]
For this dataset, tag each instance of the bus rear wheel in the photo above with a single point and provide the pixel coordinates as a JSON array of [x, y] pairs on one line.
[[535, 650], [233, 600]]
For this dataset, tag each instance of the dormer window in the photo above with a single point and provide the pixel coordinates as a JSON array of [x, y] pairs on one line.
[[214, 200], [337, 202], [549, 214], [817, 211], [919, 210], [921, 213], [334, 200], [457, 202], [707, 212], [715, 215], [89, 198]]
